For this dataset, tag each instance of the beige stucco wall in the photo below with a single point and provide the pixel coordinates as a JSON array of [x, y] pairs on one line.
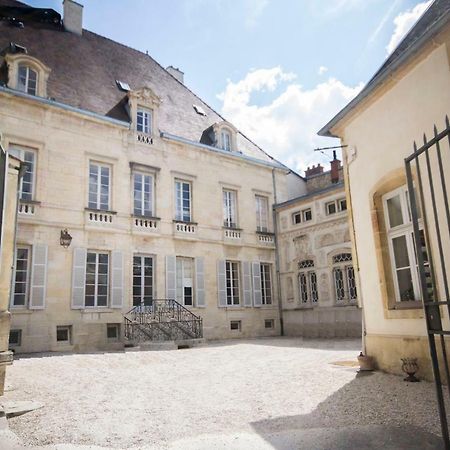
[[65, 144], [380, 135], [319, 239]]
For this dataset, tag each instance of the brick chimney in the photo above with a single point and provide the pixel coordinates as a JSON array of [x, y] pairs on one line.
[[335, 168], [73, 16], [314, 170], [177, 73]]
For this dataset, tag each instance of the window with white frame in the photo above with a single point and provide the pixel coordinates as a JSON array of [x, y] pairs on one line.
[[262, 209], [143, 185], [402, 250], [27, 79], [229, 208], [21, 287], [336, 206], [97, 279], [183, 199], [144, 120], [307, 283], [185, 281], [297, 218], [99, 186], [232, 282], [344, 278], [226, 140], [266, 283], [64, 334], [27, 181], [142, 280], [305, 215]]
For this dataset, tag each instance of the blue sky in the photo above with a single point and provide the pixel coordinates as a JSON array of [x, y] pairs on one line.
[[277, 69]]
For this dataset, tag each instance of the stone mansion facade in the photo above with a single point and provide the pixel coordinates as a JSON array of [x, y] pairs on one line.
[[133, 190]]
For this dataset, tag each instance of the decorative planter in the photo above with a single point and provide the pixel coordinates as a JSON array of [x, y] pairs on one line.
[[410, 367]]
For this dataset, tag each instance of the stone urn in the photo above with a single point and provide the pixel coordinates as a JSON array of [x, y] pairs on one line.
[[410, 367], [366, 363]]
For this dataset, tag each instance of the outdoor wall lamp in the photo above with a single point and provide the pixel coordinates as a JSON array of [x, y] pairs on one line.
[[65, 238]]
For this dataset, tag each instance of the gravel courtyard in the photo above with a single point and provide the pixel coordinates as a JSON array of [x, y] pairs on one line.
[[263, 386]]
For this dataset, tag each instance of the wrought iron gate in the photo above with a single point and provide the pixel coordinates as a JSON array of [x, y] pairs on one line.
[[428, 178]]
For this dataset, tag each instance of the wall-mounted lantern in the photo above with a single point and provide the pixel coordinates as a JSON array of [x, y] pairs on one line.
[[65, 238]]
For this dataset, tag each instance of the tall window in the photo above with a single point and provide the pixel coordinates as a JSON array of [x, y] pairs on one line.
[[144, 120], [21, 276], [185, 281], [97, 279], [142, 280], [27, 182], [226, 140], [344, 278], [143, 194], [266, 284], [183, 201], [229, 208], [262, 207], [307, 283], [232, 278], [402, 250], [99, 186], [27, 80]]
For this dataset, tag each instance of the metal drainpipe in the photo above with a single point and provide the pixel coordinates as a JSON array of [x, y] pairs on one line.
[[277, 254]]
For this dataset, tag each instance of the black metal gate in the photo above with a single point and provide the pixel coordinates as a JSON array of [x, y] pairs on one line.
[[428, 178]]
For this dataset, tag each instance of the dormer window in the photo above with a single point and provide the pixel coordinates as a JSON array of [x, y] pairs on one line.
[[144, 120], [226, 140], [223, 135], [27, 80]]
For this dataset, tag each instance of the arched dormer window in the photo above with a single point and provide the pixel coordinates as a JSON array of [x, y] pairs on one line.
[[225, 136], [27, 74], [27, 79], [226, 140]]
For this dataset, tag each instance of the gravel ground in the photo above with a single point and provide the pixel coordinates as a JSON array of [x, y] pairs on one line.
[[262, 386]]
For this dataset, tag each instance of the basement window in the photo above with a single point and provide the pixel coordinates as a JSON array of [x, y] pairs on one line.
[[269, 323], [235, 325], [64, 334], [113, 331], [15, 338]]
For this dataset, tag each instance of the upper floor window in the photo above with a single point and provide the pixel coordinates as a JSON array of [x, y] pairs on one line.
[[302, 216], [229, 208], [262, 207], [144, 120], [27, 181], [226, 140], [27, 80], [143, 194], [307, 283], [99, 186], [344, 278], [183, 199], [336, 206]]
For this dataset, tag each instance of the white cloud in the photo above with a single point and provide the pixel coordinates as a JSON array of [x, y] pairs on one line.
[[322, 70], [404, 22], [285, 127]]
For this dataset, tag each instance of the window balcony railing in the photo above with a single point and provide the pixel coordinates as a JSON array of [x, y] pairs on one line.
[[97, 216], [27, 207], [265, 238], [144, 138], [142, 223], [185, 228], [233, 234]]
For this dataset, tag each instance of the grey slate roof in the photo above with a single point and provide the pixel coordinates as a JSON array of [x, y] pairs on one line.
[[83, 73], [431, 22]]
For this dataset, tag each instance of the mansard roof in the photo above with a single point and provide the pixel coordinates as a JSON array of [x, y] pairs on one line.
[[84, 70]]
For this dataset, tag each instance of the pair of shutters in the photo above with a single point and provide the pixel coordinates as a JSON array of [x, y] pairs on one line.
[[171, 280], [38, 278], [251, 283], [79, 278]]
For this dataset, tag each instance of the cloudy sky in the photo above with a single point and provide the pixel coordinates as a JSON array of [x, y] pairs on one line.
[[277, 69]]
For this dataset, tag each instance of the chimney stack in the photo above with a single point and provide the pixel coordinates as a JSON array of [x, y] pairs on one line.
[[335, 168], [314, 170], [177, 73], [73, 17]]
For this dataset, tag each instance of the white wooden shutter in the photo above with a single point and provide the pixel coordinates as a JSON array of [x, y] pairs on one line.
[[78, 277], [116, 279], [200, 282], [247, 283], [38, 276], [171, 270], [257, 295], [221, 283]]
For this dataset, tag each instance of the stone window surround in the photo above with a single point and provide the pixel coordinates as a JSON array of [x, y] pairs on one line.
[[18, 59], [145, 169], [225, 126], [146, 99]]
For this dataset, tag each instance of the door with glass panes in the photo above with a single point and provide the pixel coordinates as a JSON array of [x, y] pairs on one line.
[[143, 270]]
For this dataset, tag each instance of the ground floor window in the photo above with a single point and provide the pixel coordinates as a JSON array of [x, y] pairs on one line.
[[21, 276], [185, 281], [344, 278], [97, 279], [142, 280], [307, 282], [266, 284], [232, 282]]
